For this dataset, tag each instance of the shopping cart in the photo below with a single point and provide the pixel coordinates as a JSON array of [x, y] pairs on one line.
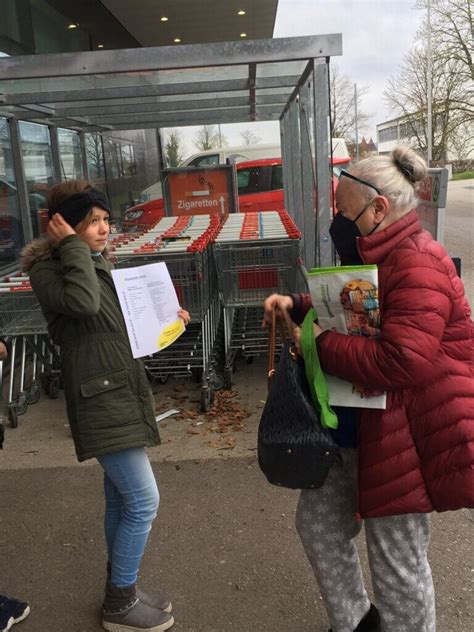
[[256, 254], [183, 244], [31, 353]]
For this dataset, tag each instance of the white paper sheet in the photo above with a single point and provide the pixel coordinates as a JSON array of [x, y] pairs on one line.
[[150, 307]]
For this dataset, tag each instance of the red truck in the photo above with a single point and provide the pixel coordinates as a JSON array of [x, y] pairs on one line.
[[260, 188]]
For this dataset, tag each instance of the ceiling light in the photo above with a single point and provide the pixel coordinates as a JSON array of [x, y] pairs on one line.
[[177, 40], [73, 26], [164, 18], [100, 46], [241, 12], [243, 35]]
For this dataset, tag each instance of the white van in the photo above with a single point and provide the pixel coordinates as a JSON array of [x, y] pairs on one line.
[[233, 155], [215, 157]]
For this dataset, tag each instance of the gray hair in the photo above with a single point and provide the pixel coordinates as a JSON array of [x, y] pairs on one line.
[[396, 177]]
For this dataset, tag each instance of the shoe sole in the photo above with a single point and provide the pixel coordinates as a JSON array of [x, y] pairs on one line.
[[119, 627], [19, 619]]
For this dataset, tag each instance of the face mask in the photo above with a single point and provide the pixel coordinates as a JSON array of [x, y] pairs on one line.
[[344, 233]]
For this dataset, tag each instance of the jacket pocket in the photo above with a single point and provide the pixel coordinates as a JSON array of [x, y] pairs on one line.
[[104, 383]]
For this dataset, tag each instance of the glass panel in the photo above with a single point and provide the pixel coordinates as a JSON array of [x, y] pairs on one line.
[[95, 160], [52, 34], [10, 22], [38, 164], [11, 239], [212, 159], [131, 164], [252, 180], [277, 177], [69, 154]]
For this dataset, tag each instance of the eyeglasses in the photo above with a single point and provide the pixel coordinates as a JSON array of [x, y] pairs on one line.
[[359, 180]]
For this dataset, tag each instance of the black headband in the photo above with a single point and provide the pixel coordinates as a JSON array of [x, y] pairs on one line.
[[75, 208]]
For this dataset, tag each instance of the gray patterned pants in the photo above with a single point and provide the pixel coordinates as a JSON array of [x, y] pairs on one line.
[[397, 546]]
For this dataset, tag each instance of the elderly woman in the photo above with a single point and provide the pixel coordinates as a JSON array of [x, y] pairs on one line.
[[416, 456]]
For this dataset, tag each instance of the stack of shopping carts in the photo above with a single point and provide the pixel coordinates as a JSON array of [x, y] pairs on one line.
[[256, 254], [183, 243], [23, 325]]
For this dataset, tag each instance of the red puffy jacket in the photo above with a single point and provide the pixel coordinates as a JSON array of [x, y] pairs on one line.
[[417, 455]]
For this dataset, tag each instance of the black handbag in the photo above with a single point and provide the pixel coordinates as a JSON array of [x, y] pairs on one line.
[[294, 449]]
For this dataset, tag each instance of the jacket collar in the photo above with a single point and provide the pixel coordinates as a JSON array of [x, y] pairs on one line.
[[376, 247], [43, 250]]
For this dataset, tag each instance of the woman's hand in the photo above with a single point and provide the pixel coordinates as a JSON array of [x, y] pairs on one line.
[[297, 336], [3, 351], [281, 304], [185, 317], [59, 229]]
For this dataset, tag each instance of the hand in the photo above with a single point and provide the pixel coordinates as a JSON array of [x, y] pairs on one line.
[[297, 336], [281, 304], [317, 330], [59, 229], [185, 316], [3, 351]]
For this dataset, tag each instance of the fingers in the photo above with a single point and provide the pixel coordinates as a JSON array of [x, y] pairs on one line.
[[58, 228], [280, 303], [185, 316], [297, 339]]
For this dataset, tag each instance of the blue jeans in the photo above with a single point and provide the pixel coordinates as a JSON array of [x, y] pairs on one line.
[[131, 505]]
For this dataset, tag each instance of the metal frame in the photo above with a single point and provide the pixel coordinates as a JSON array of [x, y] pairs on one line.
[[283, 79]]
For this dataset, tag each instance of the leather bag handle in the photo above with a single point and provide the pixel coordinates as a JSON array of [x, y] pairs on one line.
[[286, 334]]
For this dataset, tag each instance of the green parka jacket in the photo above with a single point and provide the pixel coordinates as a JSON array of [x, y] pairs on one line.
[[110, 406]]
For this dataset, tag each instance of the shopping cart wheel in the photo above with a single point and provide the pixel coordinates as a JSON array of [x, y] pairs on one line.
[[33, 394], [45, 380], [54, 387], [196, 374], [21, 404], [228, 373], [206, 399], [12, 416]]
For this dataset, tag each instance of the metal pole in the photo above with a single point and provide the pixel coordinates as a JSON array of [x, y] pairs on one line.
[[53, 135], [324, 253], [429, 81], [356, 123], [220, 135]]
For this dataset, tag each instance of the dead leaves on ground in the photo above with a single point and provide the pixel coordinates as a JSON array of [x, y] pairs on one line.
[[225, 417]]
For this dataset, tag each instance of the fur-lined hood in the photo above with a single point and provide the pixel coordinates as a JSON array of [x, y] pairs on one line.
[[37, 250], [41, 250]]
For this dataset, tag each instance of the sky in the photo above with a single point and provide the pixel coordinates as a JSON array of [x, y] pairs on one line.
[[376, 34]]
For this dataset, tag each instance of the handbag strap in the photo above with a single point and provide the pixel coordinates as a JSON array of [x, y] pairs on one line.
[[314, 373], [285, 335]]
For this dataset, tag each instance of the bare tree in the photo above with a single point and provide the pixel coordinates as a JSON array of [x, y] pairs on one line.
[[206, 137], [343, 101], [452, 27], [250, 138], [173, 148], [451, 97]]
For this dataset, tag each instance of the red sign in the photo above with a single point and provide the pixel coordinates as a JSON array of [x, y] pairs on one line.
[[194, 191]]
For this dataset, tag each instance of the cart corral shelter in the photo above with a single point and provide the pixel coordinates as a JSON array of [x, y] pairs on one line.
[[283, 79]]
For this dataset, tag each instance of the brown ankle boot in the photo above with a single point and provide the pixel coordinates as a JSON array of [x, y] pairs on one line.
[[155, 599], [124, 611]]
